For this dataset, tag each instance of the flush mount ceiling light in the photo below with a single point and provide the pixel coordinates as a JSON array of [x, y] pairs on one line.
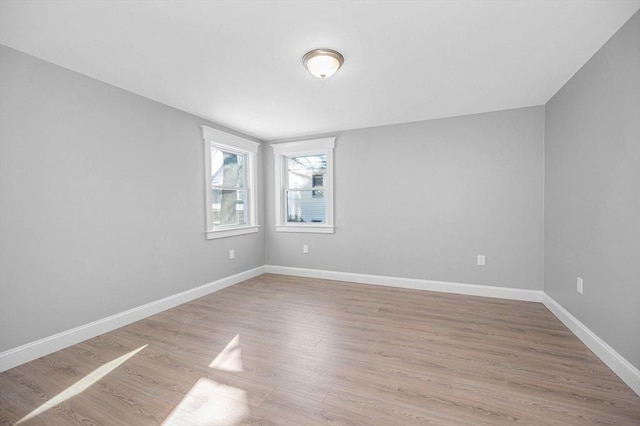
[[323, 63]]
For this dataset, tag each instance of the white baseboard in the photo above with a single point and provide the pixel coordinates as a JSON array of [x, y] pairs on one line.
[[616, 362], [413, 283], [30, 351]]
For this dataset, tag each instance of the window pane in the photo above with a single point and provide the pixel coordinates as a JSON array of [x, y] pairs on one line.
[[304, 206], [301, 170], [228, 207], [227, 169]]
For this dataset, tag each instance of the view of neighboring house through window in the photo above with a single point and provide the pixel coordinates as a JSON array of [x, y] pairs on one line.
[[228, 193], [318, 182], [230, 172], [304, 185], [305, 200]]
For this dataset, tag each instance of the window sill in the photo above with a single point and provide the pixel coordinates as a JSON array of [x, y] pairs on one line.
[[223, 233], [318, 229]]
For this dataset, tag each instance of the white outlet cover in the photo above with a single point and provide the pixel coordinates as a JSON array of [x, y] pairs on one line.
[[305, 248], [481, 260], [232, 254]]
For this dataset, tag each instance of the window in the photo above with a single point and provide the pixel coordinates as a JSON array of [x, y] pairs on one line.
[[230, 182], [304, 186]]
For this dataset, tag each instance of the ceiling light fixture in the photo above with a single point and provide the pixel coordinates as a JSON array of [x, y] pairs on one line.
[[323, 63]]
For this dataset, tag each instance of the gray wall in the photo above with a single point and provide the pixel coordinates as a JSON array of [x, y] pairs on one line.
[[421, 200], [592, 193], [102, 202]]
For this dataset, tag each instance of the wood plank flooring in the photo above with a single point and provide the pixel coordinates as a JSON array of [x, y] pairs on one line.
[[294, 351]]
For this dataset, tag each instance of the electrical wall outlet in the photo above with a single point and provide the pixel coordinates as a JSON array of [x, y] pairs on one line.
[[579, 285], [305, 248], [232, 254], [481, 260]]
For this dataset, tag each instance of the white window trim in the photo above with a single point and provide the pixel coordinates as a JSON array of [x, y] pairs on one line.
[[236, 144], [308, 147]]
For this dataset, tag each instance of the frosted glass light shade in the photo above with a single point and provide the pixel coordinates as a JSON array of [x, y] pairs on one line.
[[323, 63]]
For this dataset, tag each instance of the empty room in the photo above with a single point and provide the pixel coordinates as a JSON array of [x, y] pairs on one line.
[[319, 212]]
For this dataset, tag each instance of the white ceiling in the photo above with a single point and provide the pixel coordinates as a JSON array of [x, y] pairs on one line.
[[239, 63]]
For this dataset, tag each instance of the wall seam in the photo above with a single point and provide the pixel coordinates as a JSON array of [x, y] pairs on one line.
[[544, 195]]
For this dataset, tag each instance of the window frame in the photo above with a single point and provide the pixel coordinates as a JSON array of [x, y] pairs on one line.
[[282, 151], [236, 145]]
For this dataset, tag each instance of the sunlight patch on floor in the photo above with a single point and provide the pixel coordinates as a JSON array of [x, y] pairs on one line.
[[210, 403], [230, 358], [81, 385]]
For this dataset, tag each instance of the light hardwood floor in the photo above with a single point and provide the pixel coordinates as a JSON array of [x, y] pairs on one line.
[[295, 351]]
